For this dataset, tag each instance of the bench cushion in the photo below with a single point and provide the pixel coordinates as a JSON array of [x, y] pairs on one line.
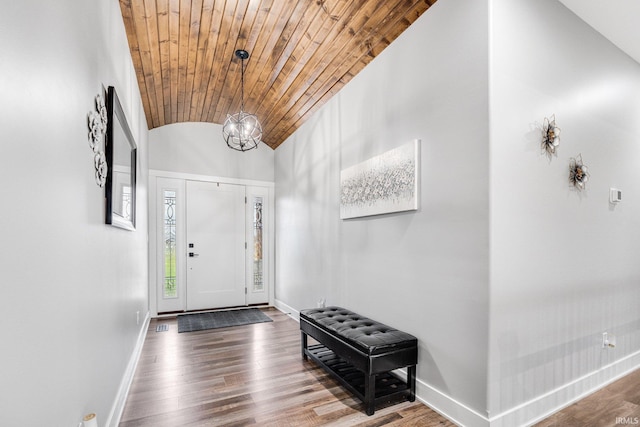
[[367, 335]]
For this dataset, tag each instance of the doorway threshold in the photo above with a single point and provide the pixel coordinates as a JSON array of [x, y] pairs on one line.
[[169, 314]]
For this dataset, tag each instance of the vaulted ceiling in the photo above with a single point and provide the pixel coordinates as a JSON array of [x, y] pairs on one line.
[[301, 53]]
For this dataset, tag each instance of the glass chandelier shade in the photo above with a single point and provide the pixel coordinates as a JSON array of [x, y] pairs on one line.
[[242, 131]]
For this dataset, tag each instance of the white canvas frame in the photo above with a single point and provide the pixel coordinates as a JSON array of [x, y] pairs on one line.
[[383, 184]]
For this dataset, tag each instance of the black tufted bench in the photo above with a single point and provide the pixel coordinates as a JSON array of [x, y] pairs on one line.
[[361, 353]]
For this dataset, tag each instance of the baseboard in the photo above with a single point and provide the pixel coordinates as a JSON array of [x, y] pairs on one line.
[[535, 410], [454, 411], [123, 391], [553, 401], [286, 309]]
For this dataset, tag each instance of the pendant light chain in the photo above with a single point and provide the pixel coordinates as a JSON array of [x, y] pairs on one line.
[[242, 84]]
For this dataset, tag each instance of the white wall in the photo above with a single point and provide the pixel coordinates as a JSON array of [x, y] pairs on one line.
[[71, 285], [424, 272], [198, 148], [564, 264]]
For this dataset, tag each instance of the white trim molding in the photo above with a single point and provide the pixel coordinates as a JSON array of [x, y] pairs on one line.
[[287, 309], [555, 400], [533, 411], [536, 409], [125, 384], [456, 412], [208, 178]]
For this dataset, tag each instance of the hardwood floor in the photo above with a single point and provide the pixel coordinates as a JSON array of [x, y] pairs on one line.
[[254, 375], [246, 375]]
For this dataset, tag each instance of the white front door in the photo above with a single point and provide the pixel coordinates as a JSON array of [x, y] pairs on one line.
[[215, 245]]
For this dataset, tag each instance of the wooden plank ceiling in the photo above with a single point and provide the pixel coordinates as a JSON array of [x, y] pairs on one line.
[[301, 53]]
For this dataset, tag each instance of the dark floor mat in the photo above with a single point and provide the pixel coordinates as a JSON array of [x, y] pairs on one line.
[[220, 319]]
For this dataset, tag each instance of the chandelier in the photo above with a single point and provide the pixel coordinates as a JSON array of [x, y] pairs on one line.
[[242, 131]]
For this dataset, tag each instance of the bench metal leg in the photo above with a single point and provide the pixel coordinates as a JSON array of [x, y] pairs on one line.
[[303, 344], [411, 382], [370, 393]]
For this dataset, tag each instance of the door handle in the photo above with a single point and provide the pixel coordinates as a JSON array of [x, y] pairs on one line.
[[192, 255]]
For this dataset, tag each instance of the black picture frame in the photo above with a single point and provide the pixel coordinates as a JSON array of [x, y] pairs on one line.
[[121, 153]]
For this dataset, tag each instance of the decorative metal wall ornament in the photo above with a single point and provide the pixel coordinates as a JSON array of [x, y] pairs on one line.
[[97, 121], [550, 135], [100, 163], [578, 172], [242, 131]]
